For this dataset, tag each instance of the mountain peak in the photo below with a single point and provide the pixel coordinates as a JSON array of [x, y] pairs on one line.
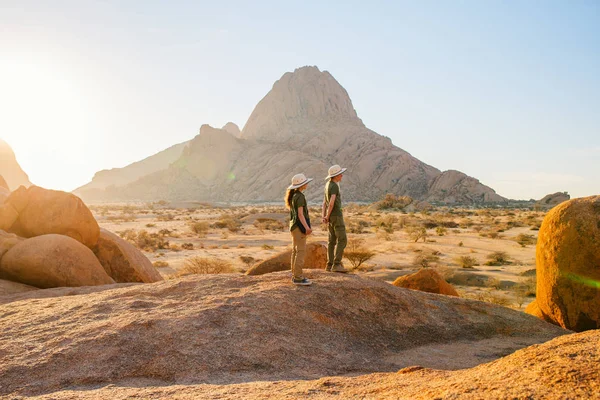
[[298, 100], [10, 169]]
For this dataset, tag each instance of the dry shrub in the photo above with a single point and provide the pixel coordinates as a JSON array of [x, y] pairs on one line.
[[165, 217], [497, 258], [358, 226], [204, 265], [467, 261], [248, 260], [187, 246], [387, 223], [417, 232], [199, 227], [422, 260], [269, 224], [144, 240], [391, 201], [441, 231], [160, 264], [267, 247], [228, 222], [356, 254], [524, 239]]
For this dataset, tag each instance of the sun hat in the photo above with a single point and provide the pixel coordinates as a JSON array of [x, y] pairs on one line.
[[299, 180], [335, 170]]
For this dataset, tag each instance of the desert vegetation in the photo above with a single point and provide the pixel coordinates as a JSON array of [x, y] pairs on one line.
[[387, 239]]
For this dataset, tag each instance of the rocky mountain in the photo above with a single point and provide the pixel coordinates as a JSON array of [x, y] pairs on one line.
[[304, 124], [135, 171], [10, 169]]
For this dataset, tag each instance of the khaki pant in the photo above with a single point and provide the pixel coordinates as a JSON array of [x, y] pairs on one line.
[[298, 252], [337, 240]]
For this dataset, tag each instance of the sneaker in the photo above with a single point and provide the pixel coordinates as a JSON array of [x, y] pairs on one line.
[[339, 268], [301, 282], [328, 268]]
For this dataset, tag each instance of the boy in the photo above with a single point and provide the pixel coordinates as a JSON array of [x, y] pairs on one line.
[[333, 217]]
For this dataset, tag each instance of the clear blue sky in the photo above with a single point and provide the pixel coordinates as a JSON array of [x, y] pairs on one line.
[[506, 91]]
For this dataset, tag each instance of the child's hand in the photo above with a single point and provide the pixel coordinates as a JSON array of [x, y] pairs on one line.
[[308, 231]]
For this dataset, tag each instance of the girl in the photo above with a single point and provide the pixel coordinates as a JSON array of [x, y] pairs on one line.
[[299, 225]]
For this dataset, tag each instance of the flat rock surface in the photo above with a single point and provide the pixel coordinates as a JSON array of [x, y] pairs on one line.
[[563, 368], [229, 329]]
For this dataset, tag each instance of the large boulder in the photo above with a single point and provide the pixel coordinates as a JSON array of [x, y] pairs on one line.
[[49, 261], [316, 258], [42, 211], [426, 280], [534, 309], [568, 264], [8, 287], [122, 261], [8, 241]]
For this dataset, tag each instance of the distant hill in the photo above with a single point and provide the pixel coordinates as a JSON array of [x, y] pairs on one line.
[[306, 123], [551, 200], [10, 169]]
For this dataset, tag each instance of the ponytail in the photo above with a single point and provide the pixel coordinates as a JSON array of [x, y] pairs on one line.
[[288, 198]]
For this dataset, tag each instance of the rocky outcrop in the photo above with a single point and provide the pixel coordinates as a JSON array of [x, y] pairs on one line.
[[568, 264], [42, 211], [59, 227], [551, 200], [122, 261], [316, 258], [49, 261], [10, 170], [305, 123], [456, 187], [233, 129], [426, 280], [563, 368], [207, 329]]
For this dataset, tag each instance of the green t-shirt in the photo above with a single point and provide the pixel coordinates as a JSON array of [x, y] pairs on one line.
[[332, 188], [298, 200]]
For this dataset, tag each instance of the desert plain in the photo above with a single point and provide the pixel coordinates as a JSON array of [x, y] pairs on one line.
[[488, 254]]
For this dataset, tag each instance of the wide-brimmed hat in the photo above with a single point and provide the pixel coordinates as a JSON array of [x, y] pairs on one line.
[[299, 181], [335, 170]]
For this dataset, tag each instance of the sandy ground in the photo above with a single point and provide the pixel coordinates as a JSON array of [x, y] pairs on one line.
[[395, 251]]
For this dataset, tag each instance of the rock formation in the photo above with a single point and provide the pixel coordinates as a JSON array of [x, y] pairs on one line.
[[304, 124], [49, 261], [568, 264], [10, 170], [62, 231], [123, 262], [563, 368], [316, 258], [551, 200], [42, 211], [426, 280], [233, 129], [225, 329]]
